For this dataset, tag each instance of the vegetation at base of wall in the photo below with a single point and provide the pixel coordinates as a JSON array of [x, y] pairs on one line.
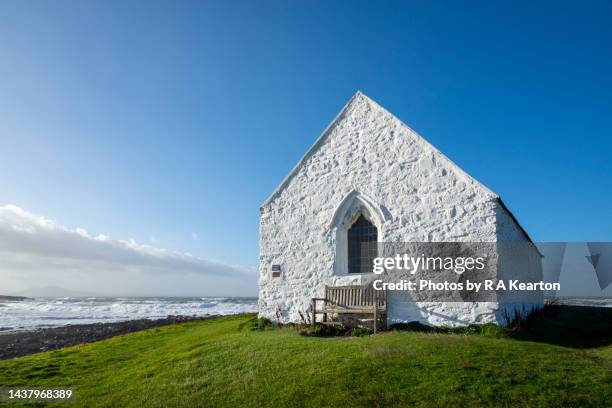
[[519, 324], [222, 363], [487, 329], [361, 331], [325, 330], [334, 330]]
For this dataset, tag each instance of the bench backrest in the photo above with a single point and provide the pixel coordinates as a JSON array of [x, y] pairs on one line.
[[355, 296]]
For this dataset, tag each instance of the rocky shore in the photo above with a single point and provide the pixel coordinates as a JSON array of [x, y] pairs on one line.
[[16, 344]]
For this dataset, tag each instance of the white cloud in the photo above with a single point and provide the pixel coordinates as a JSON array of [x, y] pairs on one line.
[[36, 251]]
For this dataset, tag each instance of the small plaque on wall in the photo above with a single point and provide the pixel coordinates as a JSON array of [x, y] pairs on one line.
[[276, 271]]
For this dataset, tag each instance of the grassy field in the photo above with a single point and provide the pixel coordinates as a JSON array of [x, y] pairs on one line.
[[223, 363]]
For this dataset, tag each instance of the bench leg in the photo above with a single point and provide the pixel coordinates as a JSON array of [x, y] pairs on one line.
[[314, 312], [375, 319]]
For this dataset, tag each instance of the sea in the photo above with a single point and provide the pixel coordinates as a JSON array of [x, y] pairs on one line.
[[35, 313]]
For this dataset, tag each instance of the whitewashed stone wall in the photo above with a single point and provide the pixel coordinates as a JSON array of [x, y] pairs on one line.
[[417, 195]]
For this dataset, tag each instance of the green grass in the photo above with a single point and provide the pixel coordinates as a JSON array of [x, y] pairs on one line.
[[224, 363]]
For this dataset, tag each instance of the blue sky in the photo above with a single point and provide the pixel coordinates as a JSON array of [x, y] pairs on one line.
[[171, 122]]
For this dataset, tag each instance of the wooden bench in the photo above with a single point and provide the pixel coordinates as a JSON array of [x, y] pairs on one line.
[[355, 299]]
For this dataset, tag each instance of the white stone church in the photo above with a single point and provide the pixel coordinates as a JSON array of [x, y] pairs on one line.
[[369, 170]]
